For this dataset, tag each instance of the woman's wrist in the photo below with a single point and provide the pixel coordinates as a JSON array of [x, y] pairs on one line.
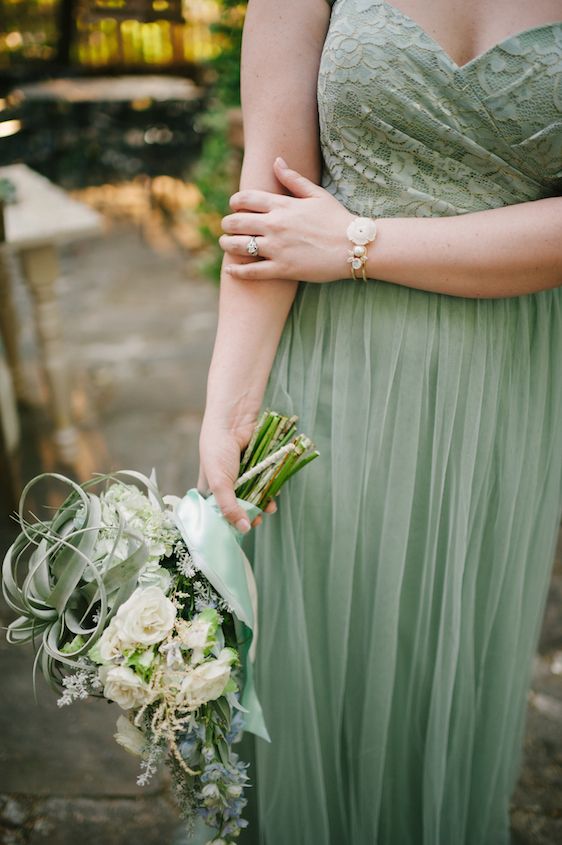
[[232, 405], [340, 247], [251, 320]]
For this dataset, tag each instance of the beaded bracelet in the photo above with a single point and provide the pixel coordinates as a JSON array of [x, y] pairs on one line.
[[361, 231]]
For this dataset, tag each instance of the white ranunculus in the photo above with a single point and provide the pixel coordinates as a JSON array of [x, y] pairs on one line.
[[195, 635], [126, 688], [110, 646], [199, 633], [172, 650], [153, 575], [105, 545], [207, 681], [146, 618], [171, 680], [125, 499], [130, 737], [139, 513]]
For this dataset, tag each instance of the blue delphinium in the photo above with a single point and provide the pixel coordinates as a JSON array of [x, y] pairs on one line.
[[222, 794], [221, 779], [236, 728]]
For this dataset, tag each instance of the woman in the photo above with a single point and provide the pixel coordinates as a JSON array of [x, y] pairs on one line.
[[403, 580]]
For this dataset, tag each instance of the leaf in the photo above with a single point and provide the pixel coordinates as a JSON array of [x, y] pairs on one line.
[[79, 558], [74, 645], [221, 704], [223, 749]]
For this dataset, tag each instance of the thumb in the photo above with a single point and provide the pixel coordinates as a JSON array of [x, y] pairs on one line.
[[230, 509], [298, 184]]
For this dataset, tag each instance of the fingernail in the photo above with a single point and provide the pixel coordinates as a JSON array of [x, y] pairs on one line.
[[282, 162], [243, 526]]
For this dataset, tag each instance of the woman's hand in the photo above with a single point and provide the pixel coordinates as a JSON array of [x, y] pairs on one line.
[[300, 237], [220, 448]]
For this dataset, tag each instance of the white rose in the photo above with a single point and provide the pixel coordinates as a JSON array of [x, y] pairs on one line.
[[207, 681], [123, 686], [146, 618], [130, 737], [110, 646]]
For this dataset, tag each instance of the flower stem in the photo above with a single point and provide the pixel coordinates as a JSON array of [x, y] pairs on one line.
[[275, 453]]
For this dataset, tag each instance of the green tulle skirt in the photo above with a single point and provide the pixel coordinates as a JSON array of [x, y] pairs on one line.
[[403, 580]]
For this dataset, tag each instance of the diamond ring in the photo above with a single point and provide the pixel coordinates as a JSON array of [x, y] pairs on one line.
[[252, 247]]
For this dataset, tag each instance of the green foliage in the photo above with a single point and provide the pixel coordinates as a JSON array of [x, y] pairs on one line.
[[141, 661], [213, 172], [74, 645], [212, 176], [226, 64]]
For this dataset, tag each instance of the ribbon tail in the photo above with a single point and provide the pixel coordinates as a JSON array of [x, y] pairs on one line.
[[253, 720], [215, 548]]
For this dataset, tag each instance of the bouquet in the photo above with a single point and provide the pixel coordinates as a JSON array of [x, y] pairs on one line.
[[148, 601]]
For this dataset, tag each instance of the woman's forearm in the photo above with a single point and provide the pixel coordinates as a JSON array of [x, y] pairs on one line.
[[502, 252], [251, 317], [280, 118], [251, 320]]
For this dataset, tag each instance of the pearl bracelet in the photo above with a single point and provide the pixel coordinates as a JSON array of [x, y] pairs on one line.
[[361, 231]]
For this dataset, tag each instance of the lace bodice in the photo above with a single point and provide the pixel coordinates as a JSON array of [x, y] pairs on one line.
[[404, 130]]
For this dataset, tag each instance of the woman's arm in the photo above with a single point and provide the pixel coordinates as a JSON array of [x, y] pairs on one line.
[[281, 47], [500, 252]]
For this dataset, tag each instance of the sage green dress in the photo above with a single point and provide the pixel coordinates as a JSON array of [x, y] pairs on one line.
[[403, 581]]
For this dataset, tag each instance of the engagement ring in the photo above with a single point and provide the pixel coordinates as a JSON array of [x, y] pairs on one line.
[[252, 246]]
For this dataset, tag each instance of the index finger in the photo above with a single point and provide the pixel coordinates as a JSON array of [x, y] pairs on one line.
[[230, 509], [255, 200]]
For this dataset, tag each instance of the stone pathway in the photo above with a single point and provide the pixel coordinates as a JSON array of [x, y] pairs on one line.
[[139, 328]]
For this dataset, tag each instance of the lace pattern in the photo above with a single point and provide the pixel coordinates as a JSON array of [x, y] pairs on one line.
[[435, 138]]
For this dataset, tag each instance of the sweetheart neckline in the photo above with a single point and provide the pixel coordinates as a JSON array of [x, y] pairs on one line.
[[484, 54]]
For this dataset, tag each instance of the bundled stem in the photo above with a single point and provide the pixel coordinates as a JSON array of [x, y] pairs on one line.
[[275, 453]]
